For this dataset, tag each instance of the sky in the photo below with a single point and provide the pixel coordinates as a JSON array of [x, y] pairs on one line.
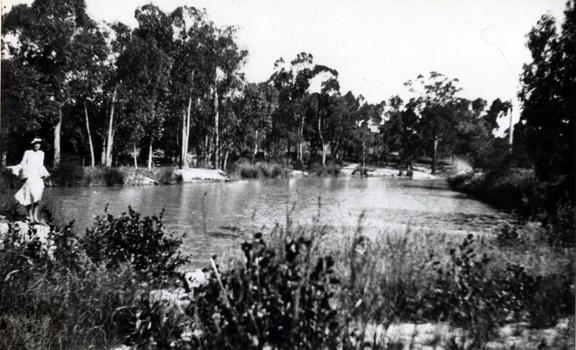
[[375, 45]]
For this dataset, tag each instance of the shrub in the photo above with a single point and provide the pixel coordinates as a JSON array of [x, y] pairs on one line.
[[520, 192], [331, 169], [165, 176], [130, 239], [261, 170], [113, 177], [278, 297], [62, 300], [247, 171], [69, 174], [298, 164]]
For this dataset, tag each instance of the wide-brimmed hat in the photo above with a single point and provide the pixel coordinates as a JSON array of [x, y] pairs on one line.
[[36, 140]]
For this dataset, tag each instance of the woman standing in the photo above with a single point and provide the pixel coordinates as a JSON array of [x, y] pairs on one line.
[[32, 169]]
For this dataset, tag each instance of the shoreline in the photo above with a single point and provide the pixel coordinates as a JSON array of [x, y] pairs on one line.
[[127, 176]]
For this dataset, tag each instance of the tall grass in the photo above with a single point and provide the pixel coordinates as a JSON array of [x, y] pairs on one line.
[[305, 287], [331, 169], [261, 170]]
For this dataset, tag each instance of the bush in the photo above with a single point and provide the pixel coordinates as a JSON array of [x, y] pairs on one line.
[[300, 289], [278, 297], [113, 177], [69, 174], [141, 243], [60, 300], [261, 170], [64, 298], [331, 169], [165, 175], [520, 192]]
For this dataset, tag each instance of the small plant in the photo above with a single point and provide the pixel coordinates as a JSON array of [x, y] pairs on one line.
[[508, 236]]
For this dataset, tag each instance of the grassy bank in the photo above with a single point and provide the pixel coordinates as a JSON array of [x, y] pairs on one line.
[[520, 192], [68, 175], [246, 170], [293, 287]]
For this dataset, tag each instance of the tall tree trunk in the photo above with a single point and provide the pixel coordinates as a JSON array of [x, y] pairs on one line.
[[183, 151], [225, 163], [186, 133], [89, 137], [301, 139], [255, 145], [57, 130], [150, 155], [208, 147], [110, 141], [322, 140], [188, 117], [435, 153], [216, 134], [135, 157], [288, 152], [103, 154]]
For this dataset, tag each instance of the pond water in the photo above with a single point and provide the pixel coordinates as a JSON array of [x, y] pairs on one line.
[[218, 216]]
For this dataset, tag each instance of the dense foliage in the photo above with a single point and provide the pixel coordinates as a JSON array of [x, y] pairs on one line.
[[544, 138], [292, 288], [171, 92]]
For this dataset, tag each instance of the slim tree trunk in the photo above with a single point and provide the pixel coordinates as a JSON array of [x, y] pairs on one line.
[[150, 155], [184, 151], [89, 137], [216, 134], [435, 154], [322, 140], [135, 157], [301, 140], [110, 141], [57, 130], [103, 153], [188, 117], [225, 164]]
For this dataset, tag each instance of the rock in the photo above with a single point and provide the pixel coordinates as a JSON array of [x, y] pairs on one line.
[[195, 278], [198, 174], [298, 174]]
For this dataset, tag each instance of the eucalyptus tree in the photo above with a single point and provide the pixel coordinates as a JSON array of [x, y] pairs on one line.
[[22, 117], [119, 37], [144, 69], [192, 42], [547, 94], [343, 122], [367, 119], [323, 117], [254, 110], [55, 39], [436, 105], [400, 131], [292, 82]]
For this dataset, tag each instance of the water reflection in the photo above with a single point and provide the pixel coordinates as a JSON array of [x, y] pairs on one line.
[[216, 216]]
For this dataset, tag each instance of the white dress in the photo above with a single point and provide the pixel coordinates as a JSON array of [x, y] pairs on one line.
[[32, 167]]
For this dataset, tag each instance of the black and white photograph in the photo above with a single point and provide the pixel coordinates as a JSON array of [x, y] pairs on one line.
[[288, 174]]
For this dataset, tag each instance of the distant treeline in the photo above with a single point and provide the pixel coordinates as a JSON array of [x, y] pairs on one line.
[[171, 91]]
